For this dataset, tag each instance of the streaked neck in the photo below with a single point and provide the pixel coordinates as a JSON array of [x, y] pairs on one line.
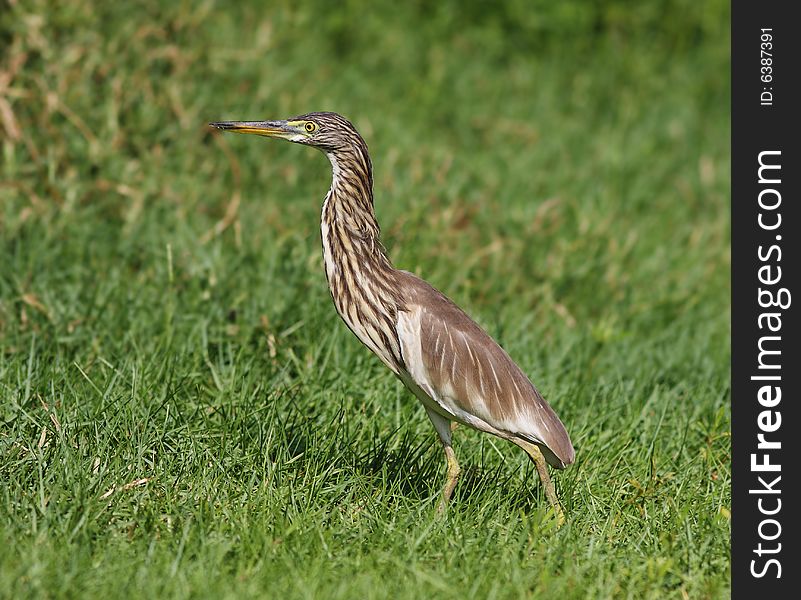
[[360, 276], [350, 199], [350, 228]]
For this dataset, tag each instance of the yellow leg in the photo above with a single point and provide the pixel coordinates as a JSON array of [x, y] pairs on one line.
[[451, 478], [444, 428], [542, 471]]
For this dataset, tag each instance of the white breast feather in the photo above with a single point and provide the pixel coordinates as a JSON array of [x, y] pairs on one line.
[[417, 379], [441, 399]]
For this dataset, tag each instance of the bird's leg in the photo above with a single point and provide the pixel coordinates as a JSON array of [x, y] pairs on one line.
[[443, 427], [542, 470], [451, 478]]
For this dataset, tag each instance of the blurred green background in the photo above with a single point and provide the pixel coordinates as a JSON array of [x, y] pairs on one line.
[[182, 412]]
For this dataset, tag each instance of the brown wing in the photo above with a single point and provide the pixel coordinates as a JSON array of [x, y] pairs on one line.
[[471, 377]]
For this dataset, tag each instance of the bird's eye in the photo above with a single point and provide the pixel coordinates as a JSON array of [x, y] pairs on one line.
[[310, 127]]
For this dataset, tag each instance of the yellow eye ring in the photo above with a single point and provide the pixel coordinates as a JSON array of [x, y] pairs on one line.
[[310, 127]]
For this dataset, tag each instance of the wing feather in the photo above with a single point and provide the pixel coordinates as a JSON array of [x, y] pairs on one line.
[[469, 377]]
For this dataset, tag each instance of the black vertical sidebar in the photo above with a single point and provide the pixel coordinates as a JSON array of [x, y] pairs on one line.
[[766, 300]]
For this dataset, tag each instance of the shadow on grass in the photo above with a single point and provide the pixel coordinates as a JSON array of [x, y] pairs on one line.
[[402, 461], [416, 468]]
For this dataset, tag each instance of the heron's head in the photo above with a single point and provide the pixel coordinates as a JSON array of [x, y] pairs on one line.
[[327, 131]]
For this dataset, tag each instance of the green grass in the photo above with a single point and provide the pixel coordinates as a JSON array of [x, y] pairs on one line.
[[183, 414]]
